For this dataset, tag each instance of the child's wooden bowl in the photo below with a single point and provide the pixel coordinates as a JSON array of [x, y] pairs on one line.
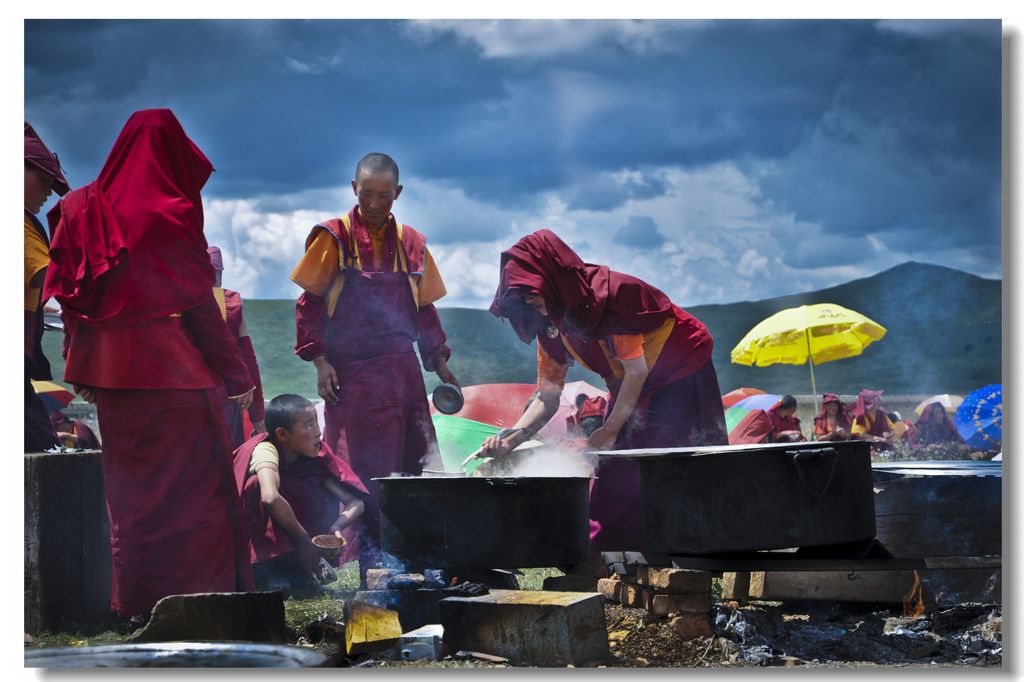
[[330, 546]]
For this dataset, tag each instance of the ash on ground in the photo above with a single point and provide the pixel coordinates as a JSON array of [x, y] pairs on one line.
[[818, 634]]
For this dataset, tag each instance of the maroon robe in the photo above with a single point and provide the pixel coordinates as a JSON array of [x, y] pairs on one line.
[[302, 485], [868, 400], [381, 423], [823, 425], [925, 433], [232, 411], [131, 273], [756, 427], [780, 424], [681, 402]]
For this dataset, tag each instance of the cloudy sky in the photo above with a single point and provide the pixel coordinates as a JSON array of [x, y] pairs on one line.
[[720, 160]]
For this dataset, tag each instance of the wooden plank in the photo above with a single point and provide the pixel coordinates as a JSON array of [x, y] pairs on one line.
[[977, 584], [780, 562], [67, 541]]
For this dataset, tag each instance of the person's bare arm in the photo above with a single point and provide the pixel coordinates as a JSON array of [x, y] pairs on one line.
[[634, 376], [536, 416], [282, 512], [354, 505]]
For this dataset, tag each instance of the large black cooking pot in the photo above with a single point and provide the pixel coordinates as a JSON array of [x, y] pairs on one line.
[[485, 522], [733, 498]]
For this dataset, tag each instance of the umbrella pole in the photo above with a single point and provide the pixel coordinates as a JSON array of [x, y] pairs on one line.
[[810, 363]]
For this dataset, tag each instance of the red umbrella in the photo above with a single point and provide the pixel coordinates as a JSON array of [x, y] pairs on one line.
[[733, 397]]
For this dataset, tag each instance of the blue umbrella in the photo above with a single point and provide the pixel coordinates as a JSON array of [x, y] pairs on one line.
[[761, 401], [979, 419]]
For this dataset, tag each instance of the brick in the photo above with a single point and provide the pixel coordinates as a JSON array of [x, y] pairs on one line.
[[632, 596], [736, 586], [662, 605], [692, 626], [570, 583], [528, 627], [678, 580], [611, 589], [246, 616], [377, 578]]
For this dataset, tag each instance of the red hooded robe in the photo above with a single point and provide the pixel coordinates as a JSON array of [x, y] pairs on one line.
[[131, 273]]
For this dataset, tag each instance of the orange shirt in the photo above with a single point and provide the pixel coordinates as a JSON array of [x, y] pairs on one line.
[[552, 373], [319, 271], [37, 259]]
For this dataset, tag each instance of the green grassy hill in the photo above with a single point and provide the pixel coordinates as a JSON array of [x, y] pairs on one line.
[[944, 335]]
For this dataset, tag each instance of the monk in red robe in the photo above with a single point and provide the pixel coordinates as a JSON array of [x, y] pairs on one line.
[[754, 428], [934, 429], [230, 303], [654, 356], [370, 285], [785, 425], [871, 423], [147, 344], [43, 175], [833, 422], [293, 488]]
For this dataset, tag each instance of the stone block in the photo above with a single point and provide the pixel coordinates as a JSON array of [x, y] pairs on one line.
[[678, 580], [415, 608], [691, 626], [240, 616], [662, 605], [570, 583], [548, 629], [610, 589]]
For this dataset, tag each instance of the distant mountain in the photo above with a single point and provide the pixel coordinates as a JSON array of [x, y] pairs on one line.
[[944, 336]]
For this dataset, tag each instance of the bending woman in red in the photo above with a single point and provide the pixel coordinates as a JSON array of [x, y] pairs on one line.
[[654, 356], [146, 342]]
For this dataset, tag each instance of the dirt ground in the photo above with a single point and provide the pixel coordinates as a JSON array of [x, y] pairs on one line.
[[760, 635]]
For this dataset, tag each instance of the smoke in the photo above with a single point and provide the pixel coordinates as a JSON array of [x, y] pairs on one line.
[[559, 459]]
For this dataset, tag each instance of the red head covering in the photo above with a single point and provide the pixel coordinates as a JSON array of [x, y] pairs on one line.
[[869, 400], [40, 156], [842, 416], [591, 299], [216, 259], [129, 246]]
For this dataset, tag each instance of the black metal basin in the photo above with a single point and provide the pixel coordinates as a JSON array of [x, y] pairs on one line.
[[459, 522]]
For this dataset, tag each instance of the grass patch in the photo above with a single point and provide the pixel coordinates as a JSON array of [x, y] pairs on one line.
[[47, 640], [533, 578]]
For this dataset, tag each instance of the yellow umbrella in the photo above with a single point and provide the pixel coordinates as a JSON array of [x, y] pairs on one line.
[[809, 333]]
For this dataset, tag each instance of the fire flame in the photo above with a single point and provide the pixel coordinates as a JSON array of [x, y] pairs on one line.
[[913, 602]]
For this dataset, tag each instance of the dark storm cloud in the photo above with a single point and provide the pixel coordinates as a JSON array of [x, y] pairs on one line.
[[640, 232], [889, 129]]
